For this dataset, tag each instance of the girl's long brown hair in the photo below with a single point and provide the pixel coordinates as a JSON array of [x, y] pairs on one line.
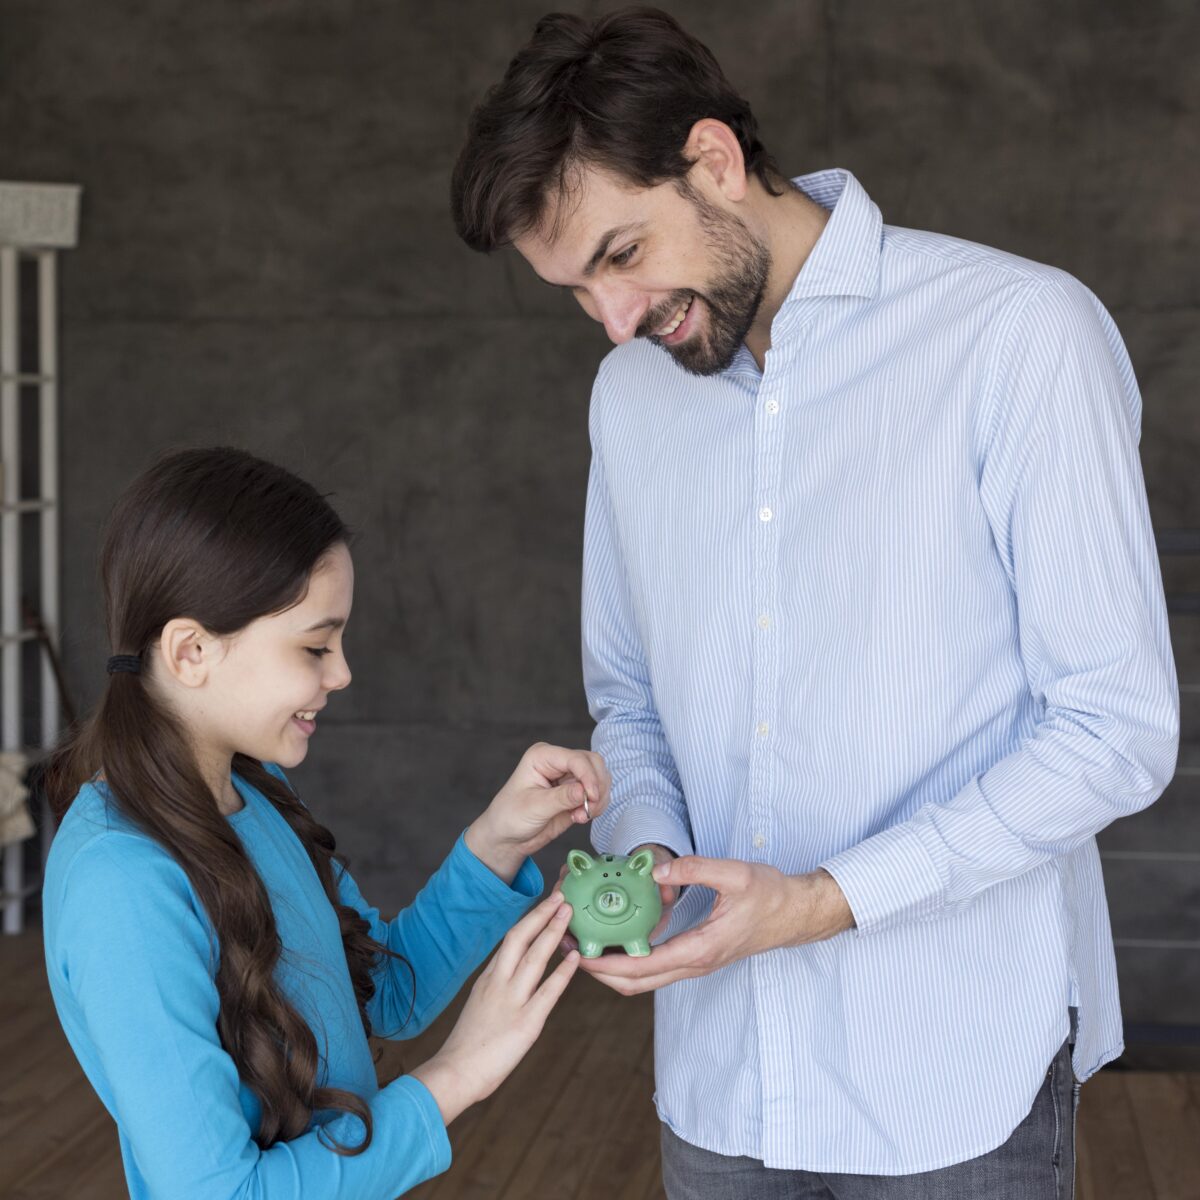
[[225, 538]]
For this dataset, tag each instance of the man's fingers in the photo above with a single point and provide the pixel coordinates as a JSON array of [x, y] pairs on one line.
[[722, 874], [687, 951], [683, 957], [646, 983]]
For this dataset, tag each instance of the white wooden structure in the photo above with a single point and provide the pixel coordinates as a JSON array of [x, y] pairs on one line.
[[36, 222]]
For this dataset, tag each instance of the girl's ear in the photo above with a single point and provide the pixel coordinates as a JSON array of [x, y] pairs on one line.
[[579, 862], [185, 649]]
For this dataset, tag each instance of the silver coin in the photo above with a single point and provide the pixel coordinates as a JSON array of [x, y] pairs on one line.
[[587, 811]]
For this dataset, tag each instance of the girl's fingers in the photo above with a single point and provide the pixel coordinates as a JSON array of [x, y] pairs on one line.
[[548, 995], [555, 762], [532, 966], [518, 939], [602, 775]]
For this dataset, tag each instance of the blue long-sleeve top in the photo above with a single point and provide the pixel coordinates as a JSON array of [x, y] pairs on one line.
[[132, 957]]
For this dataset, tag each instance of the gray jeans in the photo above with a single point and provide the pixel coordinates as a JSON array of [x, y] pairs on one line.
[[1036, 1163]]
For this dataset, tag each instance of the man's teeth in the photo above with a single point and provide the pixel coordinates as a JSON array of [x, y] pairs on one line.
[[676, 320], [311, 715]]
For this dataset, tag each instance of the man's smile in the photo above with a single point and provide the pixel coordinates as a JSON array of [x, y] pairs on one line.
[[677, 319]]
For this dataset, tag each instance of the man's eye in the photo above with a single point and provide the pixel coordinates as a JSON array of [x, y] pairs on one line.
[[621, 259], [318, 652]]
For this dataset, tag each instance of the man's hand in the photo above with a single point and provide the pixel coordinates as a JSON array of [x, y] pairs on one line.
[[758, 908]]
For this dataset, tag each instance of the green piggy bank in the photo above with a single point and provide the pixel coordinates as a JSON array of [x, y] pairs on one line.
[[614, 901]]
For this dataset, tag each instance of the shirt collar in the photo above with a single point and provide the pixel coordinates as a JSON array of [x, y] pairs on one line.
[[845, 259]]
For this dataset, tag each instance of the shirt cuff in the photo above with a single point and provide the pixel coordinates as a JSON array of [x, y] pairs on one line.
[[419, 1098], [639, 824], [527, 884], [889, 879]]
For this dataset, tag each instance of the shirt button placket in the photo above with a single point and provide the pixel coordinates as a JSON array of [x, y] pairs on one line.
[[767, 432]]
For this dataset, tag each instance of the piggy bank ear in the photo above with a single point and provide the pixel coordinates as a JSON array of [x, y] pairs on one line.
[[579, 862], [642, 863]]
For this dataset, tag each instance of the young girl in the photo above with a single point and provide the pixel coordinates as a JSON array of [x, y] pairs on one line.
[[214, 966]]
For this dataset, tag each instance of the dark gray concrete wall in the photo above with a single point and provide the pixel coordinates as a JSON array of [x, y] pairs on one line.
[[267, 259]]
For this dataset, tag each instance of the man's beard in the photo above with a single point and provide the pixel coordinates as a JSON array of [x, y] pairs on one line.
[[743, 265]]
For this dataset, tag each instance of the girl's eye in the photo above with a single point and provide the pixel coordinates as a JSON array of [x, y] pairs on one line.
[[621, 259], [318, 652]]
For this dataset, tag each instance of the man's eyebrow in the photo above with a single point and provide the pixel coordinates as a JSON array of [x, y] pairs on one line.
[[328, 623], [603, 244]]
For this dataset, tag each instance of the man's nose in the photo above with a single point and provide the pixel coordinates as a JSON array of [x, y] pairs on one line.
[[621, 311]]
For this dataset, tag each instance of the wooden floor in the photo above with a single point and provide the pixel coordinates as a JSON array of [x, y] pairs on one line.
[[577, 1108]]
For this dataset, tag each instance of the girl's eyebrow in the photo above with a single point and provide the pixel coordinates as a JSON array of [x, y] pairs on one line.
[[328, 623]]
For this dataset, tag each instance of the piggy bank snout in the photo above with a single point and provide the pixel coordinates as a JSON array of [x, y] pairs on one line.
[[612, 901]]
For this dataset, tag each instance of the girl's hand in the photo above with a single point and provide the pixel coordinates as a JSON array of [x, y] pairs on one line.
[[505, 1012], [544, 798]]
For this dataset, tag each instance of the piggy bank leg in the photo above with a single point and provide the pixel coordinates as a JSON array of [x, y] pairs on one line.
[[638, 949], [590, 949]]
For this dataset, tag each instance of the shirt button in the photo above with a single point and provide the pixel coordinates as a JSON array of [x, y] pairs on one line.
[[759, 841], [765, 514], [772, 407], [764, 622], [763, 729]]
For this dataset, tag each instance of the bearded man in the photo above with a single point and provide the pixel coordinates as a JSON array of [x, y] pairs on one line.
[[874, 633]]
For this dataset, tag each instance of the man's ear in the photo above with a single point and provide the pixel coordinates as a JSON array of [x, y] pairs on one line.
[[714, 149], [186, 651]]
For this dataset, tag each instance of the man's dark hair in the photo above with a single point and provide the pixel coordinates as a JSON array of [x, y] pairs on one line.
[[622, 93]]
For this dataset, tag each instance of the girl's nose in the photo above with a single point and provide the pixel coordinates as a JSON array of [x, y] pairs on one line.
[[339, 676]]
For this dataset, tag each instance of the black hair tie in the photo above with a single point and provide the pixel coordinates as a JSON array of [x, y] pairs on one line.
[[132, 663]]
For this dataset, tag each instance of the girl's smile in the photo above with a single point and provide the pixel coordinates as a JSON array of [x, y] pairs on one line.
[[306, 722]]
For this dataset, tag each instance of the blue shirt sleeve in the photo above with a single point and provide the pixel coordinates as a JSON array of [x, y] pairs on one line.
[[139, 963], [1063, 489], [455, 920]]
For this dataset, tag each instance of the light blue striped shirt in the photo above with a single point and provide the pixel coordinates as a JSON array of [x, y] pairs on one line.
[[891, 607]]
